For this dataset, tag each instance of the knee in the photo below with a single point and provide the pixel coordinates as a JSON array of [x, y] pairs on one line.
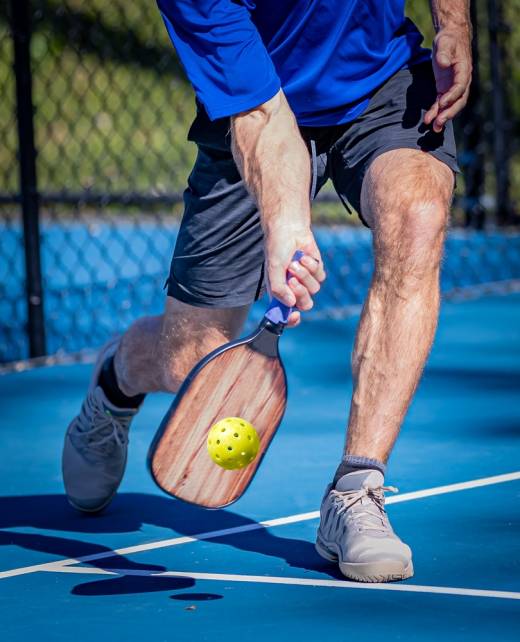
[[410, 251], [423, 227], [408, 210]]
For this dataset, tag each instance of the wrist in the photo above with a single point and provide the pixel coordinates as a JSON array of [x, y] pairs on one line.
[[455, 37], [288, 222], [454, 28]]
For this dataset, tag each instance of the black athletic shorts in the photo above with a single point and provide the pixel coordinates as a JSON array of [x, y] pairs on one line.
[[219, 256]]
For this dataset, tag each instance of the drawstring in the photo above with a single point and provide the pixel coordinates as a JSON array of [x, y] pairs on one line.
[[314, 163]]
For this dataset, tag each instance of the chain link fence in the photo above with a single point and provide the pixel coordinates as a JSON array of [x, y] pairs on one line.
[[111, 111], [97, 192]]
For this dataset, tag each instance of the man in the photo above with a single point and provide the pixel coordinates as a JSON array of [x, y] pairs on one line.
[[342, 87]]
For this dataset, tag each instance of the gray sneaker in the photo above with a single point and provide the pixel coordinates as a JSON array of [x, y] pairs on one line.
[[96, 443], [355, 531]]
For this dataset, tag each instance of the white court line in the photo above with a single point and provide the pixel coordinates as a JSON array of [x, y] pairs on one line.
[[295, 581], [291, 519]]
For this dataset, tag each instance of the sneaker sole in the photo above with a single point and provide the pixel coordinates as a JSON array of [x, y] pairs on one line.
[[382, 571], [97, 509]]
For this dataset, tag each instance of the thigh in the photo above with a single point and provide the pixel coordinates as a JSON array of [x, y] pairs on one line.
[[393, 120], [219, 255]]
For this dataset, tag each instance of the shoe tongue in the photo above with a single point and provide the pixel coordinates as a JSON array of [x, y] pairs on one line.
[[360, 478]]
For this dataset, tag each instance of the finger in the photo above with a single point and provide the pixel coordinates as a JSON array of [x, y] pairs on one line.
[[304, 277], [437, 126], [314, 266], [451, 112], [431, 114], [279, 288], [294, 319], [460, 83], [303, 298], [455, 93]]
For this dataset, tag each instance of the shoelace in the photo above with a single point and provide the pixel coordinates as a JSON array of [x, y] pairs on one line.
[[364, 516], [109, 431]]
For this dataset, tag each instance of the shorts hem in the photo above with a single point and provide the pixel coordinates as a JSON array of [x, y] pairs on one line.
[[443, 156], [175, 291]]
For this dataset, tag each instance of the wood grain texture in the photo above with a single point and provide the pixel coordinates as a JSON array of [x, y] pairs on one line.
[[239, 382]]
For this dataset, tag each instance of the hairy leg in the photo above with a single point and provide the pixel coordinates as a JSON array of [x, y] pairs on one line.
[[405, 199], [157, 353]]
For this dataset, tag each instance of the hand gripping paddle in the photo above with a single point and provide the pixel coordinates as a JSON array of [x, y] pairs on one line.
[[245, 379]]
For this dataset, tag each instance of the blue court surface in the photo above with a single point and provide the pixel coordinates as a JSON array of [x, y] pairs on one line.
[[151, 568]]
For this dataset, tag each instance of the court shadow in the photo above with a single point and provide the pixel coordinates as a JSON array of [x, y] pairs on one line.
[[127, 514], [128, 584]]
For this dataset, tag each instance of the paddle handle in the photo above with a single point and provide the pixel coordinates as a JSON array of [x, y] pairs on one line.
[[278, 312]]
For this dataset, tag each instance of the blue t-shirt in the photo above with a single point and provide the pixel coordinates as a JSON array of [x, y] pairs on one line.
[[329, 56]]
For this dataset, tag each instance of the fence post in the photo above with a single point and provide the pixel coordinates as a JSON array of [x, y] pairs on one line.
[[472, 158], [21, 30], [501, 129]]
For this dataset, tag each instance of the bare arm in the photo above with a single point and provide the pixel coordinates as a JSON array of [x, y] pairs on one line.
[[451, 60], [274, 163]]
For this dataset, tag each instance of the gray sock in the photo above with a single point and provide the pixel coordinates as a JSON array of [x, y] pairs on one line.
[[351, 463]]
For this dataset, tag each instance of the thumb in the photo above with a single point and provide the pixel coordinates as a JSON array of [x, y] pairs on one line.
[[278, 286], [443, 59], [444, 52]]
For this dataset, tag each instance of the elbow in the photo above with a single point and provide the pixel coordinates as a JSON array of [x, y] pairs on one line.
[[259, 116]]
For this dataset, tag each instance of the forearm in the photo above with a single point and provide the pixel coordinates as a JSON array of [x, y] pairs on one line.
[[274, 163], [451, 14]]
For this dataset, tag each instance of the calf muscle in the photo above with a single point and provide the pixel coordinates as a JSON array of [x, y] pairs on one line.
[[157, 353]]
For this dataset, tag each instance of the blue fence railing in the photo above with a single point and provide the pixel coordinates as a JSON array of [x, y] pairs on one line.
[[124, 265]]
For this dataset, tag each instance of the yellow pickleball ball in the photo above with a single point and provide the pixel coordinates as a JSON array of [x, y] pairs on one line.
[[233, 443]]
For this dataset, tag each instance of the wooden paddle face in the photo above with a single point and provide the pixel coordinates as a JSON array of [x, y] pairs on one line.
[[238, 381]]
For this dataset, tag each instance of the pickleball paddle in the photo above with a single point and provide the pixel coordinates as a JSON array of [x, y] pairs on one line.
[[244, 378]]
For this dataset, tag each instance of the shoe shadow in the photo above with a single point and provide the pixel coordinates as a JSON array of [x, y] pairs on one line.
[[127, 513]]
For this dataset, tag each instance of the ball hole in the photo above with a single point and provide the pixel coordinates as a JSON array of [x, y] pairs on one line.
[[230, 447], [242, 423], [235, 434], [218, 441], [217, 456], [222, 430], [249, 437]]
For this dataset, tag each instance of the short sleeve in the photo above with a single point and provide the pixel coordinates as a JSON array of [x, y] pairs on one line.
[[222, 52]]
